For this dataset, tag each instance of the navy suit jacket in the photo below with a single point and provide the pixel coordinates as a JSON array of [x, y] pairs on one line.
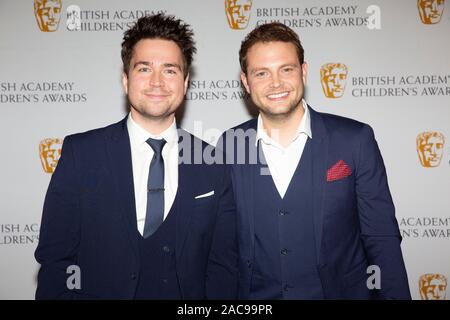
[[354, 217], [89, 220]]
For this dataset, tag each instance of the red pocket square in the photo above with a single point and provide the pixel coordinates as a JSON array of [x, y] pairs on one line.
[[338, 171]]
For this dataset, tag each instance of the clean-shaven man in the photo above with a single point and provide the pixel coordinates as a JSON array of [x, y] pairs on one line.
[[127, 206], [314, 209]]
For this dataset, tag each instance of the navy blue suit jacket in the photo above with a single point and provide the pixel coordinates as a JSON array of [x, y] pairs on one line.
[[89, 220], [354, 217]]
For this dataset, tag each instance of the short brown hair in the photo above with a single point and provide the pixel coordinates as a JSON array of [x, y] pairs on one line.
[[274, 31], [159, 26]]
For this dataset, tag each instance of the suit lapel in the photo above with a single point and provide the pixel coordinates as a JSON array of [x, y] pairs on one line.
[[320, 144], [251, 174], [254, 176], [185, 192], [119, 152]]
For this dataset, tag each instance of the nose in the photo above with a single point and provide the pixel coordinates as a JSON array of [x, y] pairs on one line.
[[436, 292], [433, 149], [434, 6], [275, 81], [155, 79], [240, 12]]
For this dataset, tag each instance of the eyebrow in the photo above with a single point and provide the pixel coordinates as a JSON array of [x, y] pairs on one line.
[[294, 65], [172, 65], [165, 65], [145, 63]]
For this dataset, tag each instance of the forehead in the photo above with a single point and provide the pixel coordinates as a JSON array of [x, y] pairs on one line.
[[50, 146], [50, 3], [338, 69], [436, 281], [429, 2], [434, 139], [154, 50], [54, 145], [264, 54], [239, 2]]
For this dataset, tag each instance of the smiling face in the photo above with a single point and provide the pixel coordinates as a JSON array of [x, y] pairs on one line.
[[155, 83], [275, 78]]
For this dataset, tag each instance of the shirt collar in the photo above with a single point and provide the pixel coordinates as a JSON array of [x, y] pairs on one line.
[[138, 135], [304, 127]]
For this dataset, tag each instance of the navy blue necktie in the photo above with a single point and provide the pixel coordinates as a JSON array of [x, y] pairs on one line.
[[155, 189]]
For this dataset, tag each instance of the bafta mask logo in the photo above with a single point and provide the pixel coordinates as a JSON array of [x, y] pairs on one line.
[[333, 77], [430, 11], [430, 147], [47, 13], [432, 286], [50, 152], [238, 13]]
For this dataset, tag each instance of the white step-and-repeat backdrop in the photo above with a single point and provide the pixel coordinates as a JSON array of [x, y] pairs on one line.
[[61, 73]]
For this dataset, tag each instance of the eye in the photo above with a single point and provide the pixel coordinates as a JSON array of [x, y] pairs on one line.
[[288, 69], [260, 74], [170, 72], [144, 69]]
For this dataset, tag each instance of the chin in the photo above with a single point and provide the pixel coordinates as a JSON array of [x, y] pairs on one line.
[[277, 114]]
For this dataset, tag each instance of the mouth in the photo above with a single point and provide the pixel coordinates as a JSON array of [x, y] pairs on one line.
[[277, 96], [156, 96]]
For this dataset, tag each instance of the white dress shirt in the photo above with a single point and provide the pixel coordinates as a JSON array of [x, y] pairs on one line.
[[283, 162], [141, 156]]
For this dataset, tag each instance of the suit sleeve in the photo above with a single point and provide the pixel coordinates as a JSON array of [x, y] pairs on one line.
[[222, 274], [379, 228], [59, 232]]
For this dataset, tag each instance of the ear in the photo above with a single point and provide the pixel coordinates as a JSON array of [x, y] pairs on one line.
[[245, 82], [304, 72], [125, 82], [186, 83]]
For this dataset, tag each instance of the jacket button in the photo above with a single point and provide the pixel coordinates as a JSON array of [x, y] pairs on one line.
[[249, 264], [284, 251], [283, 213], [166, 249], [133, 276]]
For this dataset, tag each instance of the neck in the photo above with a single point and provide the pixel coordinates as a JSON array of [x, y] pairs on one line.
[[283, 129], [154, 126]]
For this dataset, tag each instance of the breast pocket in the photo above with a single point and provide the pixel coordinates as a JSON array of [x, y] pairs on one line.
[[206, 201], [340, 194]]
